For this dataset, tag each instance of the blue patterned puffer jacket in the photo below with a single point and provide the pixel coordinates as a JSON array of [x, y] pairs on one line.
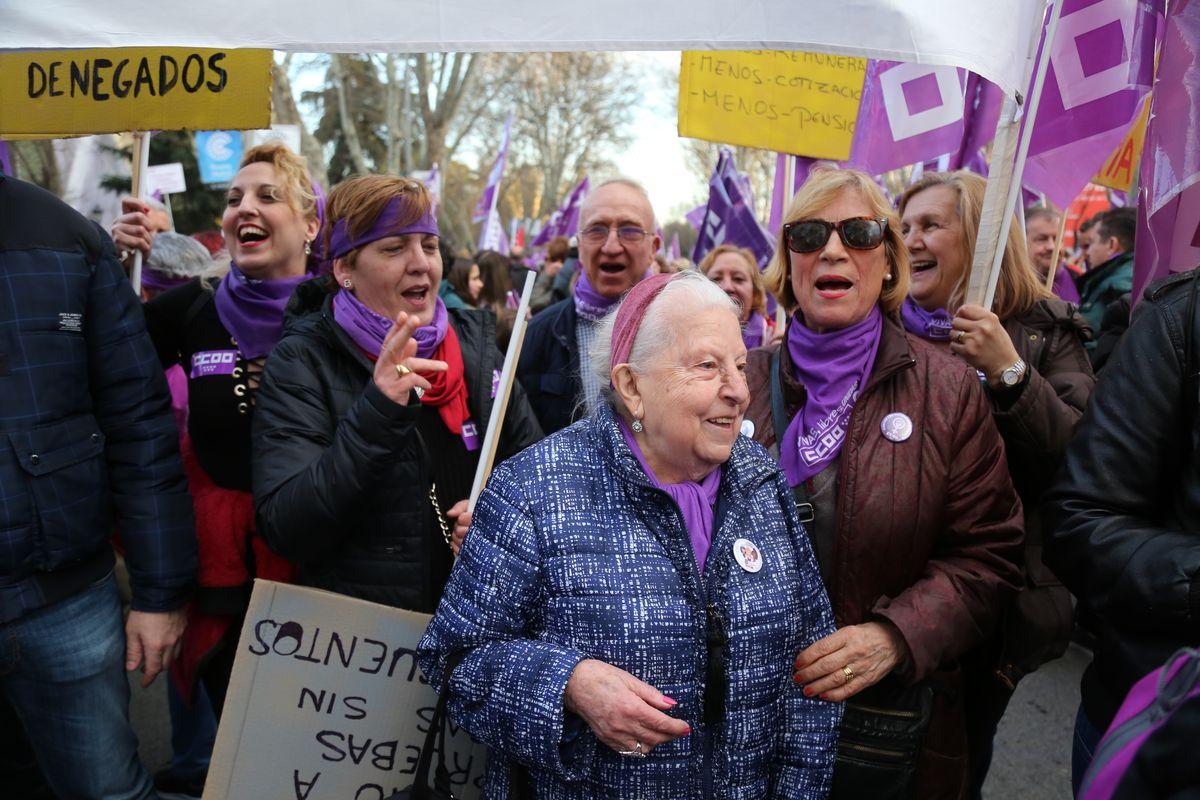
[[573, 554]]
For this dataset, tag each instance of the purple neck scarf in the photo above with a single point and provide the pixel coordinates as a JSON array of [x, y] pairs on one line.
[[754, 331], [252, 310], [695, 500], [589, 303], [157, 281], [368, 329], [932, 325], [834, 368]]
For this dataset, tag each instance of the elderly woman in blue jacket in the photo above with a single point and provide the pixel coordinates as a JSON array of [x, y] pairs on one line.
[[633, 590]]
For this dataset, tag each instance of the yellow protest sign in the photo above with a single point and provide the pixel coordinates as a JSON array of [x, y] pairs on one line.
[[1119, 169], [67, 92], [782, 100]]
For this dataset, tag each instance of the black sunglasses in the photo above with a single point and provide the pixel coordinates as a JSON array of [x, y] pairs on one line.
[[810, 235]]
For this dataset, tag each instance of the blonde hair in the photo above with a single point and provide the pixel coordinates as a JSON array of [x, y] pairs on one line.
[[361, 200], [1019, 286], [758, 295], [819, 192], [296, 187]]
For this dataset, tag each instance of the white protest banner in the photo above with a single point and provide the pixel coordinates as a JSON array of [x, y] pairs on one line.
[[987, 37], [326, 702], [165, 179]]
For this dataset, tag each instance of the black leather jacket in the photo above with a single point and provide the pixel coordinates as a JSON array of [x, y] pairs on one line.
[[341, 474], [1123, 519]]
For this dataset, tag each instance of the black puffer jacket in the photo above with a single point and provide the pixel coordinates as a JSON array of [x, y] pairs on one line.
[[1123, 520], [341, 474]]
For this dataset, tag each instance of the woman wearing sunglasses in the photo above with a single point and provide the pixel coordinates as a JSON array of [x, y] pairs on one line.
[[1029, 350], [895, 461]]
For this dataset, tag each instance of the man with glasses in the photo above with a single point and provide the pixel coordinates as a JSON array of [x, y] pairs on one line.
[[617, 243]]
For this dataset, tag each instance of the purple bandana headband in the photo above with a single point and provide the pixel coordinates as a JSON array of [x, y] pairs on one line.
[[342, 243], [630, 314]]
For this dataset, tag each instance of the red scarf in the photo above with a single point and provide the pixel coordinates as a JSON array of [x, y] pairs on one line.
[[448, 390]]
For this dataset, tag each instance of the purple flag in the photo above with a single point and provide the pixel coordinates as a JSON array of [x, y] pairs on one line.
[[673, 252], [487, 200], [913, 112], [1168, 235], [5, 159], [729, 215], [1101, 66], [780, 197], [433, 182], [695, 217], [565, 219]]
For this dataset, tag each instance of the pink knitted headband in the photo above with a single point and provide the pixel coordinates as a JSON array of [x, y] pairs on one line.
[[630, 314]]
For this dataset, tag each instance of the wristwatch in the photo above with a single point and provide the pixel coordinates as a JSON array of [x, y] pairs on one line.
[[1012, 376]]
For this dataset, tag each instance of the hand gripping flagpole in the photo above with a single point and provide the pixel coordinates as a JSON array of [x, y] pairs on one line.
[[491, 439], [995, 219], [141, 164]]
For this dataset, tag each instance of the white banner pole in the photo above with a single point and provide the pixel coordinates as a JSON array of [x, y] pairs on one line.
[[508, 375], [995, 221], [141, 154]]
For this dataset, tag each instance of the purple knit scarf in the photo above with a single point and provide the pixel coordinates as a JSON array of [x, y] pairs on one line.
[[252, 310], [833, 367], [932, 325], [368, 329], [694, 499]]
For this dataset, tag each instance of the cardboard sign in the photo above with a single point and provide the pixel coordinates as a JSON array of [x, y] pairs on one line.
[[781, 100], [326, 702], [165, 179], [1118, 171], [51, 93]]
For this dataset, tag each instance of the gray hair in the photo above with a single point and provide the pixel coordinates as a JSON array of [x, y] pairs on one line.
[[622, 181], [656, 336], [178, 256]]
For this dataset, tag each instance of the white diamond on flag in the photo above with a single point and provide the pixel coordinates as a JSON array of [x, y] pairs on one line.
[[1091, 51], [920, 98]]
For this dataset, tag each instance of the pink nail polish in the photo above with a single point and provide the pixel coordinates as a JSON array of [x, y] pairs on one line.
[[669, 700]]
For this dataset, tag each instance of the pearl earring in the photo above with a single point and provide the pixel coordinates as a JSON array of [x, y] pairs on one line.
[[887, 277], [347, 284], [307, 247], [637, 426]]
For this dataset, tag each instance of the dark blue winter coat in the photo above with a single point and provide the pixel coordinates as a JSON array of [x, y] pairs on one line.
[[573, 554], [87, 436]]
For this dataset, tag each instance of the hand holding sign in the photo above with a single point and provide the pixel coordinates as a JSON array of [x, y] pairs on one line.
[[397, 372], [132, 230]]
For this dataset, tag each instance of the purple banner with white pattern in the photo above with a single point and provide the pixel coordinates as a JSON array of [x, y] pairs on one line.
[[488, 198], [729, 215]]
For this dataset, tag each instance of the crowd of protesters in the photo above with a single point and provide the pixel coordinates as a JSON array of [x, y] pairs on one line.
[[727, 551]]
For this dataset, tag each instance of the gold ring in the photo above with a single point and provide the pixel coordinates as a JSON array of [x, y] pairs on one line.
[[402, 370], [849, 673], [959, 336]]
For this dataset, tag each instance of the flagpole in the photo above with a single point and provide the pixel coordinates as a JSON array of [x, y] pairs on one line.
[[1058, 243], [996, 219], [141, 164], [789, 179]]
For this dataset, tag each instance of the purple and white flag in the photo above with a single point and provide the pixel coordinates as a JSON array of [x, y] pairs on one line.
[[5, 159], [487, 200], [780, 196], [433, 182], [565, 219], [493, 236], [673, 251], [729, 215], [1168, 234], [1101, 66], [695, 217]]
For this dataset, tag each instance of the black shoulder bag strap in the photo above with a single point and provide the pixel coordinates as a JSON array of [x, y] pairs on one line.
[[779, 417], [435, 738]]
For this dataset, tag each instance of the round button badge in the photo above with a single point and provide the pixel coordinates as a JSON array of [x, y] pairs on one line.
[[896, 427], [747, 554]]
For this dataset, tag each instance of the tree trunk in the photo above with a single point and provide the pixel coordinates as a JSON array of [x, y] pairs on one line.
[[349, 130], [286, 112]]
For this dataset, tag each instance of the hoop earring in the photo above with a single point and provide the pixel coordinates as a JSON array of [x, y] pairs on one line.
[[637, 426], [347, 284]]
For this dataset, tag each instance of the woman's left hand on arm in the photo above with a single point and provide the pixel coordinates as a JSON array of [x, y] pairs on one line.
[[461, 518], [983, 343], [870, 651]]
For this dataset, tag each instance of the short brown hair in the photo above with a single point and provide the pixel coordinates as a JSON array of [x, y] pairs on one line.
[[758, 296], [817, 193], [1019, 286], [361, 200], [297, 188], [558, 249]]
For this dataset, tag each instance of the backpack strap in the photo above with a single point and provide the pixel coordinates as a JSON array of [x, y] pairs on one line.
[[780, 419]]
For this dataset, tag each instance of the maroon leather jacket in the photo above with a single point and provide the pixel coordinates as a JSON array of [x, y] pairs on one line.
[[929, 531]]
